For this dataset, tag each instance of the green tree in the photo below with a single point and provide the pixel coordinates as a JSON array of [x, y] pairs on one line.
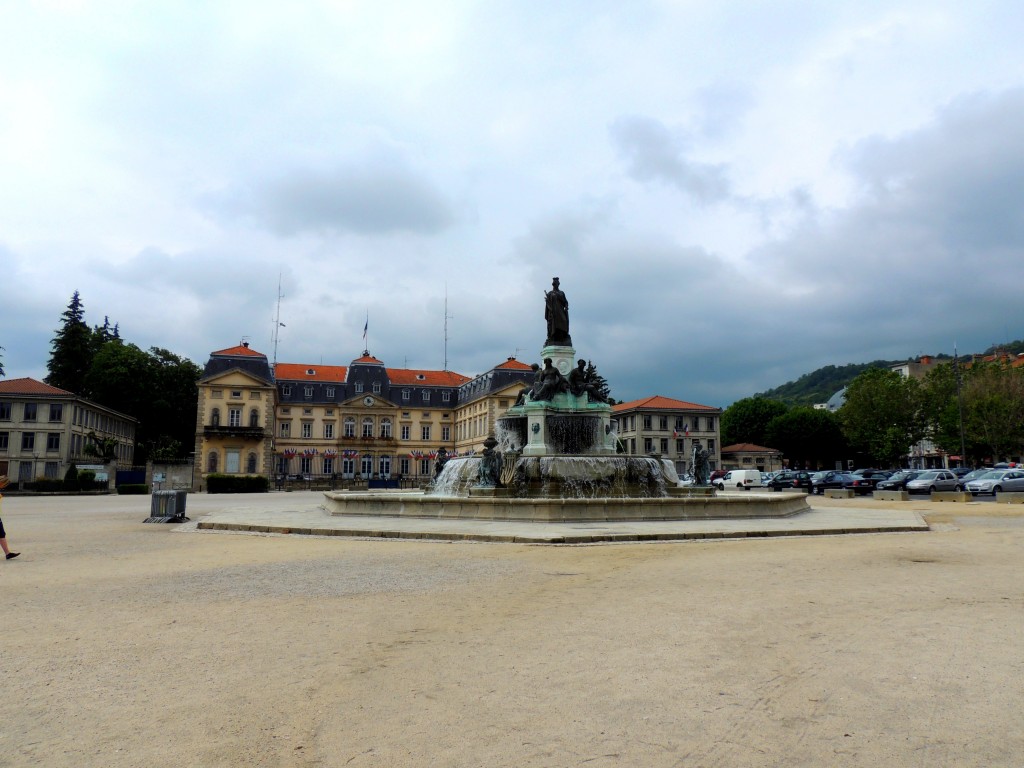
[[807, 437], [994, 409], [71, 350], [2, 364], [746, 420], [599, 382], [882, 416]]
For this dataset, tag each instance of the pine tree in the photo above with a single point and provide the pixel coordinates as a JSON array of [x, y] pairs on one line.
[[599, 382], [2, 364], [71, 350]]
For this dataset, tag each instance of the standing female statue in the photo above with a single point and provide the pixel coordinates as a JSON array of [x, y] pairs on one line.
[[556, 312]]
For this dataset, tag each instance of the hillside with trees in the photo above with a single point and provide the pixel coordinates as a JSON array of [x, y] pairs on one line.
[[818, 386]]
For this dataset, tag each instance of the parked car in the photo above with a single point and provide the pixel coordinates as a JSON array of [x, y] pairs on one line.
[[739, 478], [996, 481], [865, 480], [972, 475], [831, 479], [932, 480], [791, 480], [898, 481], [715, 475]]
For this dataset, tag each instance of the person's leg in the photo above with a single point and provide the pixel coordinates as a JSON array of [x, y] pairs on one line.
[[3, 543]]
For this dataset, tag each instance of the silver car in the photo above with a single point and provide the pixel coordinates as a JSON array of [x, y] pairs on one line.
[[932, 480], [996, 481]]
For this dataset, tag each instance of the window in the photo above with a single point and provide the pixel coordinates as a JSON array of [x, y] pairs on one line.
[[679, 423], [446, 396], [236, 394], [286, 429], [328, 432], [385, 428], [403, 466], [405, 394], [648, 445], [647, 422], [234, 417], [5, 411], [4, 438], [329, 412], [29, 412], [446, 434], [53, 441], [254, 418], [50, 470], [384, 466], [330, 393], [215, 417], [286, 410], [350, 427], [232, 461], [663, 423], [425, 432], [305, 465], [307, 429], [359, 386], [307, 392], [424, 466], [679, 447], [56, 412], [405, 431], [367, 427], [211, 462], [664, 445], [348, 467], [250, 464], [286, 390], [426, 395], [376, 387], [307, 411], [366, 466], [328, 466], [28, 441], [711, 423], [711, 446]]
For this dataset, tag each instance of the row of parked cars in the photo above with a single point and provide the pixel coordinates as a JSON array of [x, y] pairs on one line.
[[989, 480]]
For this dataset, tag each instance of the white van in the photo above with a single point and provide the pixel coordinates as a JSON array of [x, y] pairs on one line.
[[739, 478]]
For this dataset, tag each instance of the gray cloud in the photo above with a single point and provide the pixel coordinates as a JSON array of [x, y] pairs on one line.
[[381, 196], [653, 153]]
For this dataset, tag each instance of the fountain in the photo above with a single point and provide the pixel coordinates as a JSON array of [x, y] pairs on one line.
[[553, 458]]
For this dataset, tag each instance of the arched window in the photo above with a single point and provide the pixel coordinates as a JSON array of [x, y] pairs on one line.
[[385, 427], [350, 427], [254, 418], [367, 427], [250, 464], [211, 462], [215, 417]]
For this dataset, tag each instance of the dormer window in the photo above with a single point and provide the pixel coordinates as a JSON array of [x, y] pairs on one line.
[[376, 387], [446, 396], [330, 393], [405, 394], [286, 390], [308, 392], [420, 377], [426, 395], [311, 372], [359, 386]]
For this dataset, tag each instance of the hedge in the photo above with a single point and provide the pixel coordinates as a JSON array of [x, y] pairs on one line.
[[236, 484], [132, 489]]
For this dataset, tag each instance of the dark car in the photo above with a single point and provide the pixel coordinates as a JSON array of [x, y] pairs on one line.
[[791, 480], [832, 479], [865, 480], [898, 481]]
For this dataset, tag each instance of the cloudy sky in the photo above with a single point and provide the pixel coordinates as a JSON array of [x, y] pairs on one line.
[[732, 193]]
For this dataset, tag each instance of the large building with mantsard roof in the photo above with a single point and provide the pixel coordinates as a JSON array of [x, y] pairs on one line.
[[669, 428], [360, 421]]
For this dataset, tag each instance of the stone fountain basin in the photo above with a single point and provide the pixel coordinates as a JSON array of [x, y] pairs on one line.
[[490, 504]]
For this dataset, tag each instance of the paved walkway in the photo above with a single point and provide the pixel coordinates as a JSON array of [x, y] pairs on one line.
[[302, 515]]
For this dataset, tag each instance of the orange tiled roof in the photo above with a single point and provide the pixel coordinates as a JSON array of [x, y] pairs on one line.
[[367, 359], [747, 448], [659, 403], [407, 376], [512, 365], [27, 386], [301, 372], [240, 350]]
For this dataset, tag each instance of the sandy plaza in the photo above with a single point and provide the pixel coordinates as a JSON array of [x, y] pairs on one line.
[[127, 644]]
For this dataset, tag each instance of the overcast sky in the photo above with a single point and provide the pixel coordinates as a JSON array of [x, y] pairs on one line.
[[733, 194]]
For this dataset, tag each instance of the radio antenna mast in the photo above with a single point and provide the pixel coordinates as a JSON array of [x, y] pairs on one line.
[[277, 319], [447, 317]]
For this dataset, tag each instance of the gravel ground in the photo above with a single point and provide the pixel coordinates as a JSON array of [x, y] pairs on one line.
[[123, 644]]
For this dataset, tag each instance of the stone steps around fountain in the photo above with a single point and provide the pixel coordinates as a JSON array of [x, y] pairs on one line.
[[481, 506]]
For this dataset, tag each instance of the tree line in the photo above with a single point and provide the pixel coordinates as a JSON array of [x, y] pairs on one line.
[[975, 411], [155, 386]]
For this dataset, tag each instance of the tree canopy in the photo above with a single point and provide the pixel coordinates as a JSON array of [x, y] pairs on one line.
[[746, 420], [882, 416]]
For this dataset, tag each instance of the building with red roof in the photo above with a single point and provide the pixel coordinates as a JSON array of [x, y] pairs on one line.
[[668, 428], [44, 430]]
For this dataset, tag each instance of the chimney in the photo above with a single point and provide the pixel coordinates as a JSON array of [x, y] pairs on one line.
[[245, 344], [926, 360]]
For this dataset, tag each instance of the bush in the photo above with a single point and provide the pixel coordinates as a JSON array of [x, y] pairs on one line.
[[71, 482], [86, 480], [236, 484], [132, 489], [44, 485]]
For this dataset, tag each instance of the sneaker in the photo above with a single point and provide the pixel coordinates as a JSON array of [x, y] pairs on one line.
[[12, 555]]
